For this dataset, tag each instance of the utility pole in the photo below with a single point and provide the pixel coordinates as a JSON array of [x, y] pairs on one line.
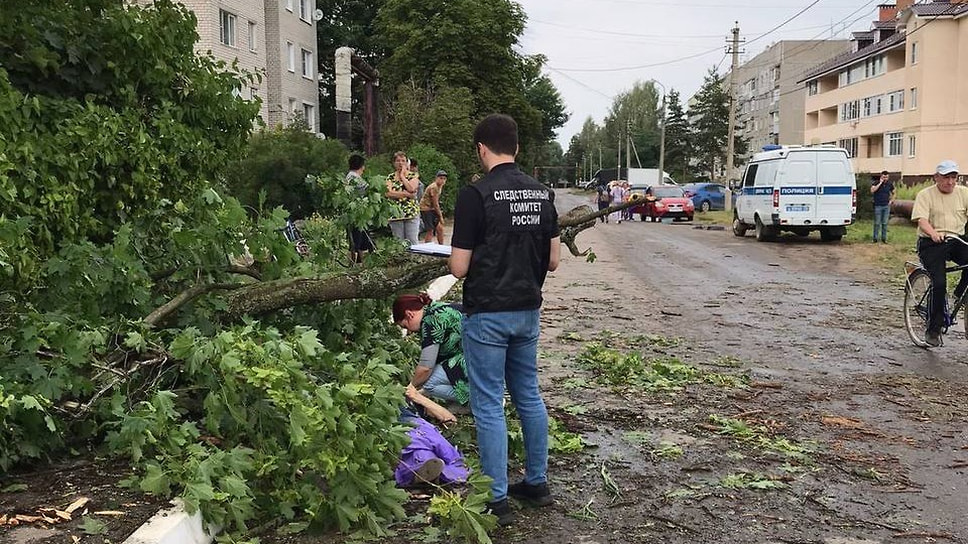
[[730, 144], [628, 147], [618, 165]]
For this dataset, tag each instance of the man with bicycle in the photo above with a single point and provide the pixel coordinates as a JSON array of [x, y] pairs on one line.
[[941, 212]]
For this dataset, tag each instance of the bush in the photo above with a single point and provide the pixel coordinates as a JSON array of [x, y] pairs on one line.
[[277, 163]]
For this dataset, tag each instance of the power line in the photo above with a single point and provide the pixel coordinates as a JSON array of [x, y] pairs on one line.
[[589, 87], [631, 68], [784, 23]]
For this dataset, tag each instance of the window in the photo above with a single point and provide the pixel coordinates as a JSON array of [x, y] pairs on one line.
[[750, 175], [251, 36], [878, 105], [813, 87], [307, 64], [776, 95], [309, 115], [895, 144], [305, 10], [866, 107], [914, 98], [914, 53], [850, 111], [291, 51], [850, 144], [895, 101], [912, 145], [289, 5], [226, 27]]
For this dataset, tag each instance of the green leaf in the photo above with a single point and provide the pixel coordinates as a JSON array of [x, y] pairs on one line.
[[92, 526], [13, 488], [155, 481]]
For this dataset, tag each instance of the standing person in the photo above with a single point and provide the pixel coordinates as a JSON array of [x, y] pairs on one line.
[[615, 191], [415, 170], [941, 211], [604, 198], [505, 242], [360, 242], [402, 189], [626, 195], [430, 214], [883, 191]]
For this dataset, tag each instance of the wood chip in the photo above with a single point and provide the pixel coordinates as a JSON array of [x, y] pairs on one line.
[[28, 519], [841, 421], [79, 503], [767, 385], [66, 516], [3, 520], [108, 513]]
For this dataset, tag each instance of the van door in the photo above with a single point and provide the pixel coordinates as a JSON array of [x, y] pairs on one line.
[[763, 187], [744, 204], [837, 184], [798, 189]]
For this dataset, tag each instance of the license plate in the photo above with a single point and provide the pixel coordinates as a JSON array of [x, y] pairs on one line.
[[675, 208], [798, 208]]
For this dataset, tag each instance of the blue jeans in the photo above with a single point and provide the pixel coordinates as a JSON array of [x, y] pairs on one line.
[[502, 347], [438, 385], [881, 214]]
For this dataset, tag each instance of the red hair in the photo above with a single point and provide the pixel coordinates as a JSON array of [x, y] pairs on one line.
[[409, 303]]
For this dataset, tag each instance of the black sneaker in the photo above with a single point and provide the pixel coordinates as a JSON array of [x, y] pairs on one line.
[[501, 509], [537, 494], [932, 339]]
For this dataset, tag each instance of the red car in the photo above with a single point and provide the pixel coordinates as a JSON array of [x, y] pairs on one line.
[[664, 201]]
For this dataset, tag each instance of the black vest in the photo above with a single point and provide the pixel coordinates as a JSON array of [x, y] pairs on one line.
[[508, 269]]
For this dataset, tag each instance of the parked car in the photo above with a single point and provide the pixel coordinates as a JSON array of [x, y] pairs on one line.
[[706, 196], [666, 201]]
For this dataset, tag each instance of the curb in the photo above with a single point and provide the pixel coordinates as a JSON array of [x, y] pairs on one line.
[[172, 526]]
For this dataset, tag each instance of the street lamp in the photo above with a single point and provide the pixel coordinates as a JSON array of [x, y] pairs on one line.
[[662, 134]]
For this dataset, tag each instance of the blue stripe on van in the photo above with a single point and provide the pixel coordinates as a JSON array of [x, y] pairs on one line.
[[844, 190]]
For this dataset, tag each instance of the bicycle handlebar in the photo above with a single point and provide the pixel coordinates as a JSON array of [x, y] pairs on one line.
[[949, 239]]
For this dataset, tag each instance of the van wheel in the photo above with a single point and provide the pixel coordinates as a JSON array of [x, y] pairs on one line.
[[828, 236], [764, 233], [739, 228]]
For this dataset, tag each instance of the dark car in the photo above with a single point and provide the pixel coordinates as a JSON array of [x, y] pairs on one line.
[[706, 196], [664, 201]]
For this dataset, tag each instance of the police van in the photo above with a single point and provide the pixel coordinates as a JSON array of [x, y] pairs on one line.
[[797, 189]]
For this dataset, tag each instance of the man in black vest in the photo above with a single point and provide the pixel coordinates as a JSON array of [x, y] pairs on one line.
[[505, 242]]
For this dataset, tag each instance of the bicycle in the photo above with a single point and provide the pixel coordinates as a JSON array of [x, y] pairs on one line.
[[917, 294]]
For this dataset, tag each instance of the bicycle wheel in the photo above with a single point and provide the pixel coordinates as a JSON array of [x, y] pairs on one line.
[[917, 293]]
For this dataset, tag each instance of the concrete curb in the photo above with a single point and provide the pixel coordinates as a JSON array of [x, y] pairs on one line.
[[172, 526]]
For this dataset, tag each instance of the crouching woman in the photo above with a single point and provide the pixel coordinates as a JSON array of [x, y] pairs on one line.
[[441, 371]]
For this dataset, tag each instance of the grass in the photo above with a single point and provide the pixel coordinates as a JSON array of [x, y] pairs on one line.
[[667, 374], [901, 240], [714, 218]]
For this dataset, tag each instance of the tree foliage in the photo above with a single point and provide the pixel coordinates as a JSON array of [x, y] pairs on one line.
[[469, 44], [118, 243], [276, 165], [711, 129], [678, 139], [101, 122]]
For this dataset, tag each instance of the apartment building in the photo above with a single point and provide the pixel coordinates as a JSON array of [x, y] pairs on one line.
[[770, 100], [275, 39], [899, 100]]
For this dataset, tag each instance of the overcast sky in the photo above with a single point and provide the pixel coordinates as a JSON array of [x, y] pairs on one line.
[[582, 38]]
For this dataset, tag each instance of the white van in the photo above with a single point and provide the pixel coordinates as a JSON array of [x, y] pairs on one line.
[[797, 189]]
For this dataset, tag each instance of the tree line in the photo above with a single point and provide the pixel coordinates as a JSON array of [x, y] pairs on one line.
[[695, 138]]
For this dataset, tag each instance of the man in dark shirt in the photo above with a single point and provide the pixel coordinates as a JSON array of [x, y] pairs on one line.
[[505, 242], [883, 191]]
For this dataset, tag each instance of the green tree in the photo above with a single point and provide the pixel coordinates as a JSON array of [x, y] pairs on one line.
[[469, 44], [635, 112], [678, 145], [441, 118], [587, 146], [711, 128], [276, 164]]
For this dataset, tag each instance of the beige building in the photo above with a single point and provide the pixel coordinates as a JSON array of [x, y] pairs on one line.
[[275, 39], [769, 106], [899, 100]]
